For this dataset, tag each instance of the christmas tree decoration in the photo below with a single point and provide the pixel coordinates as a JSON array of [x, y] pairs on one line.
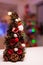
[[19, 51], [19, 23], [15, 45], [15, 35], [18, 19], [15, 49], [12, 40], [14, 57], [16, 40], [5, 58], [12, 44], [10, 51], [15, 30], [20, 27], [23, 45], [9, 13]]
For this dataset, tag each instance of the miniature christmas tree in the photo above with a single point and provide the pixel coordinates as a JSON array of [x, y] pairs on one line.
[[15, 44]]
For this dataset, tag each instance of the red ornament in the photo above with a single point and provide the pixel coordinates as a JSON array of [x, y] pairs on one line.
[[10, 51], [16, 40], [12, 44], [19, 51], [21, 47], [15, 30], [12, 40]]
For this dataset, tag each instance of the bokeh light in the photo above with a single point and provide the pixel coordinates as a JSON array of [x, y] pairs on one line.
[[33, 30], [33, 41], [3, 28]]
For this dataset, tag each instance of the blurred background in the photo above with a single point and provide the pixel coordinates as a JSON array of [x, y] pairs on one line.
[[28, 10]]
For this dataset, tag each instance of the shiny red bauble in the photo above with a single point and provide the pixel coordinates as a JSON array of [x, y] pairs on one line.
[[19, 51], [16, 40], [13, 41], [10, 51]]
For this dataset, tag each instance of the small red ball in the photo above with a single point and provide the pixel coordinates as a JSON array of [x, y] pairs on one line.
[[12, 44], [12, 40], [21, 47], [10, 51], [16, 29], [16, 40], [19, 51]]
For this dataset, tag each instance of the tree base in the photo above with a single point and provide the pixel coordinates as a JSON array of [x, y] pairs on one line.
[[14, 57]]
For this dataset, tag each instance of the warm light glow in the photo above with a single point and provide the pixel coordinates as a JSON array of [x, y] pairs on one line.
[[9, 13]]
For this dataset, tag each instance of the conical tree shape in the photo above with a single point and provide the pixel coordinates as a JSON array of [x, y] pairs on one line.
[[15, 45]]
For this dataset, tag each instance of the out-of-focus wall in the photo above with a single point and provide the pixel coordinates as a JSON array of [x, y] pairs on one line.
[[21, 3], [2, 39]]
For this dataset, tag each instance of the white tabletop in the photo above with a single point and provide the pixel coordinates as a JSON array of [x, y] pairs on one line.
[[34, 56]]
